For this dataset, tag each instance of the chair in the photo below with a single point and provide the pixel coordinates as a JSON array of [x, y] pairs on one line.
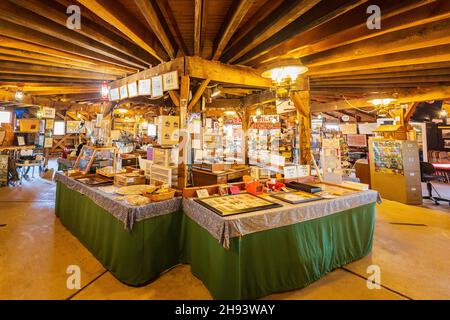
[[427, 175]]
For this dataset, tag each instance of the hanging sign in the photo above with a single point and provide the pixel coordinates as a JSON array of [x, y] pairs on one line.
[[48, 112], [157, 86]]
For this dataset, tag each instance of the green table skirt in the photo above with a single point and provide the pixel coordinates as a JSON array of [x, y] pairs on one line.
[[134, 257], [256, 265], [279, 259]]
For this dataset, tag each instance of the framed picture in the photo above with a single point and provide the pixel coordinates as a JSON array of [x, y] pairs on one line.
[[236, 204], [73, 127], [202, 193], [157, 86], [445, 134], [123, 92], [49, 124], [48, 112], [48, 142], [132, 89], [447, 144], [296, 197], [20, 141], [170, 81], [114, 94], [145, 87], [356, 140]]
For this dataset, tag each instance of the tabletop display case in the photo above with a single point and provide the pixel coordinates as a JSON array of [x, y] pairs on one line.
[[296, 197], [236, 204], [93, 158]]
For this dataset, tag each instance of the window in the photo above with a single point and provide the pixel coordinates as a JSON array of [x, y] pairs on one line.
[[5, 117], [59, 128]]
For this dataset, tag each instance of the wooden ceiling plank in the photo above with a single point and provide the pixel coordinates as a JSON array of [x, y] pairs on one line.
[[265, 10], [198, 17], [44, 60], [116, 15], [421, 56], [235, 16], [30, 69], [149, 12], [280, 18], [318, 15], [19, 32], [417, 73], [57, 13], [429, 35], [402, 96], [334, 32], [173, 26], [18, 15]]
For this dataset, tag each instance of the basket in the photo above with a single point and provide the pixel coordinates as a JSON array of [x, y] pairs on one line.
[[161, 196], [123, 181]]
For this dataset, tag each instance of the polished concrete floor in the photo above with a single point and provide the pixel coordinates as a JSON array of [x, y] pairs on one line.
[[411, 248]]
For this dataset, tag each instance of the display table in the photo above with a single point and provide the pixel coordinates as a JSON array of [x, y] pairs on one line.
[[251, 255], [208, 178], [245, 256], [135, 244]]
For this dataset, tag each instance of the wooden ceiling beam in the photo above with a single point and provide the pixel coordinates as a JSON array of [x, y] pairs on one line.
[[63, 61], [402, 96], [30, 69], [116, 15], [18, 15], [19, 57], [429, 35], [29, 79], [421, 56], [348, 27], [200, 68], [57, 13], [265, 10], [384, 81], [279, 19], [391, 70], [173, 26], [318, 15], [198, 17], [148, 10], [417, 73], [19, 32], [234, 18]]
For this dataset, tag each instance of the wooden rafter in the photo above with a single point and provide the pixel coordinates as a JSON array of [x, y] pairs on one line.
[[280, 18], [57, 13], [198, 17], [116, 15], [173, 26], [232, 22], [198, 94], [148, 10]]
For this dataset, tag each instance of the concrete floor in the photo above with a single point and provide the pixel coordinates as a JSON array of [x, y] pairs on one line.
[[35, 250]]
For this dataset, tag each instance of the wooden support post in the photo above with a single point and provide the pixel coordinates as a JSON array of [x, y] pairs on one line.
[[184, 100], [301, 100]]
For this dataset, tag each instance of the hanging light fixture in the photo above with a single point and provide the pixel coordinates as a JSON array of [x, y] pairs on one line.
[[215, 93], [104, 91], [288, 69], [382, 102]]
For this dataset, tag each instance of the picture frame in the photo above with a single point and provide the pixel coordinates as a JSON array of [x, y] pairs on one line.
[[49, 124], [445, 133], [447, 144], [157, 86], [145, 87], [72, 127], [48, 113], [114, 94], [132, 89], [236, 204], [123, 92], [202, 193], [296, 197], [170, 81], [20, 141], [48, 142]]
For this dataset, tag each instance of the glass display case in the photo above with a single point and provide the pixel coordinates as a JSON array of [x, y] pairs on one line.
[[92, 158]]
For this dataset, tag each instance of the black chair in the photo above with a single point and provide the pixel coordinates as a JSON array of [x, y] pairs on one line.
[[427, 175]]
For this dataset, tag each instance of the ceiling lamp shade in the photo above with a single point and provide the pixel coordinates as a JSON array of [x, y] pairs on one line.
[[280, 71], [381, 102]]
